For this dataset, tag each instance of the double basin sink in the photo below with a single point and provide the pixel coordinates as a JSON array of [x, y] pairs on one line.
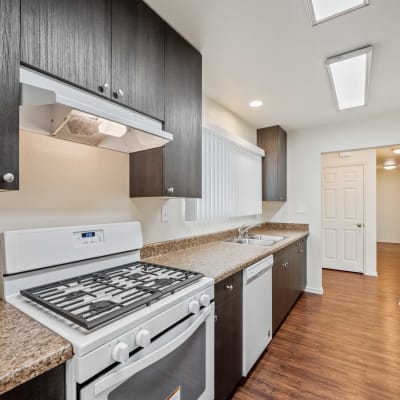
[[257, 240]]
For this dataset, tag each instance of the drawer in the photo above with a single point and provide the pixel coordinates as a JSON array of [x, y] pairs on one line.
[[228, 288]]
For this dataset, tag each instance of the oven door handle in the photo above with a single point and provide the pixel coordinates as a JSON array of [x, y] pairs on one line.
[[121, 375]]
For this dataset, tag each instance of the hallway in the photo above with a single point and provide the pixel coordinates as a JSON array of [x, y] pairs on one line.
[[342, 345]]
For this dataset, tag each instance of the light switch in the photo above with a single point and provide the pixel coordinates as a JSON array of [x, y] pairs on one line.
[[164, 213]]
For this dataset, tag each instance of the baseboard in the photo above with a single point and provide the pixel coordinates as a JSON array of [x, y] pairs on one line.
[[314, 290]]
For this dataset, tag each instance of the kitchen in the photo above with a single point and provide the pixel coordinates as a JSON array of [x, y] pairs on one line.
[[92, 57]]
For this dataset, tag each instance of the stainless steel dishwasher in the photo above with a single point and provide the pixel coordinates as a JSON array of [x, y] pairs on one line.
[[257, 311]]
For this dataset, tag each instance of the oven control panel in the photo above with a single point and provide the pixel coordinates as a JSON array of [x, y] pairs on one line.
[[88, 238]]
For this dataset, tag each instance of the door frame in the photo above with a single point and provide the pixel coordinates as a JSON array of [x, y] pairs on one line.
[[367, 158]]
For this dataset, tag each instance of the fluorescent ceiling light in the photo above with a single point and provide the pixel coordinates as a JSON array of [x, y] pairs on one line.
[[390, 166], [324, 10], [396, 150], [349, 76], [256, 103]]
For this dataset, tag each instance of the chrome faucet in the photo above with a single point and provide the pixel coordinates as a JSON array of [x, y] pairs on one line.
[[244, 230]]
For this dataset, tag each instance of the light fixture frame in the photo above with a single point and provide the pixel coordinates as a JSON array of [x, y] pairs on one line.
[[314, 22], [345, 56]]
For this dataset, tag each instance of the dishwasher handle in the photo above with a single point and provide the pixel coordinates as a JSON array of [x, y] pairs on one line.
[[258, 269]]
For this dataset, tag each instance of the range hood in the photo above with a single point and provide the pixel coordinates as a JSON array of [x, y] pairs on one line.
[[52, 107]]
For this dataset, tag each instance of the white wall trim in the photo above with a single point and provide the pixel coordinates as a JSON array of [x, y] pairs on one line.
[[309, 289], [372, 273]]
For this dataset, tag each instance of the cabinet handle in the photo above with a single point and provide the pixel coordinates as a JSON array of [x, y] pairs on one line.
[[103, 88], [170, 190], [119, 93], [8, 177], [215, 318], [229, 287], [284, 265]]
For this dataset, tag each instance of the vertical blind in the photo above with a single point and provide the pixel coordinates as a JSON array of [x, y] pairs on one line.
[[231, 178]]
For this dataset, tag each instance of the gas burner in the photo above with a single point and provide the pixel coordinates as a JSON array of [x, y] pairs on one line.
[[95, 299]]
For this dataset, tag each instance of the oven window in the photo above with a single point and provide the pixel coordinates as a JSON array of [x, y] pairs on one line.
[[184, 368]]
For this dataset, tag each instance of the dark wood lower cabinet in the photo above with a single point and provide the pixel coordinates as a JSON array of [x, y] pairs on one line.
[[289, 278], [228, 335], [48, 386]]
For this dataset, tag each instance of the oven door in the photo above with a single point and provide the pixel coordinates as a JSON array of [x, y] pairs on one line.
[[178, 365]]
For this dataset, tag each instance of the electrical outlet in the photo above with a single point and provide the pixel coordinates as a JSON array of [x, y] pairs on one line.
[[301, 209], [164, 213]]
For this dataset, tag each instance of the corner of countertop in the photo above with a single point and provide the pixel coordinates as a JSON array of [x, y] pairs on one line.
[[27, 348]]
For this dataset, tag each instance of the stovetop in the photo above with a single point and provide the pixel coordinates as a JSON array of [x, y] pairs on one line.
[[98, 298]]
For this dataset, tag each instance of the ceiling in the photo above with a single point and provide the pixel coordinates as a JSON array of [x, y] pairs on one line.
[[386, 154], [268, 50]]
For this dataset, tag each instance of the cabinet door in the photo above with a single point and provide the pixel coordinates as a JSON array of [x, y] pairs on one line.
[[273, 141], [183, 96], [48, 386], [279, 290], [282, 165], [69, 39], [228, 336], [9, 89], [138, 57]]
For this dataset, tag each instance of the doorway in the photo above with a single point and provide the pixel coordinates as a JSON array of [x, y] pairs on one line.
[[348, 214], [343, 218]]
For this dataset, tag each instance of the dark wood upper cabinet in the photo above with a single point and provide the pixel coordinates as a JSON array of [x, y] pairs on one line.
[[228, 335], [9, 89], [183, 116], [138, 57], [176, 170], [69, 39], [273, 141]]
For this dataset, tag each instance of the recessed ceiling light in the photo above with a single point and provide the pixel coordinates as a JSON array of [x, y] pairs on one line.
[[324, 10], [396, 150], [256, 103], [349, 75]]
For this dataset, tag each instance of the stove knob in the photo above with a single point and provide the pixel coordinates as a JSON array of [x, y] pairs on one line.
[[194, 307], [120, 352], [143, 338], [205, 300]]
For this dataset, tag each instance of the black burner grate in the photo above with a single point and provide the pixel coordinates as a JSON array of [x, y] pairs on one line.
[[94, 299]]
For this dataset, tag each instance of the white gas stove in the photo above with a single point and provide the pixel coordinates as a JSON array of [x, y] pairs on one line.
[[129, 322]]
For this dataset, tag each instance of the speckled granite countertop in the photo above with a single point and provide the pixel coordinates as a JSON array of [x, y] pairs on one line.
[[27, 348], [220, 259]]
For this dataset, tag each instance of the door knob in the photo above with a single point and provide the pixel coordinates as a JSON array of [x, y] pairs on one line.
[[359, 225]]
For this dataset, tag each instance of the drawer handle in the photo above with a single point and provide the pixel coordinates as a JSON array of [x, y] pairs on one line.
[[229, 287], [284, 265]]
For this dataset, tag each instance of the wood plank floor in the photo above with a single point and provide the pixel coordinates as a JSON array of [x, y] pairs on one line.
[[342, 345]]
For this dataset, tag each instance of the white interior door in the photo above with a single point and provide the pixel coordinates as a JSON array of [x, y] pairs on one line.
[[343, 218]]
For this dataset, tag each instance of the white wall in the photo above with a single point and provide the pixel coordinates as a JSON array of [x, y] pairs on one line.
[[66, 183], [304, 173], [388, 205], [367, 158]]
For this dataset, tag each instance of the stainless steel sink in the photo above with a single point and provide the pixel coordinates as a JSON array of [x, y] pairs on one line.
[[251, 241], [257, 240], [271, 238]]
